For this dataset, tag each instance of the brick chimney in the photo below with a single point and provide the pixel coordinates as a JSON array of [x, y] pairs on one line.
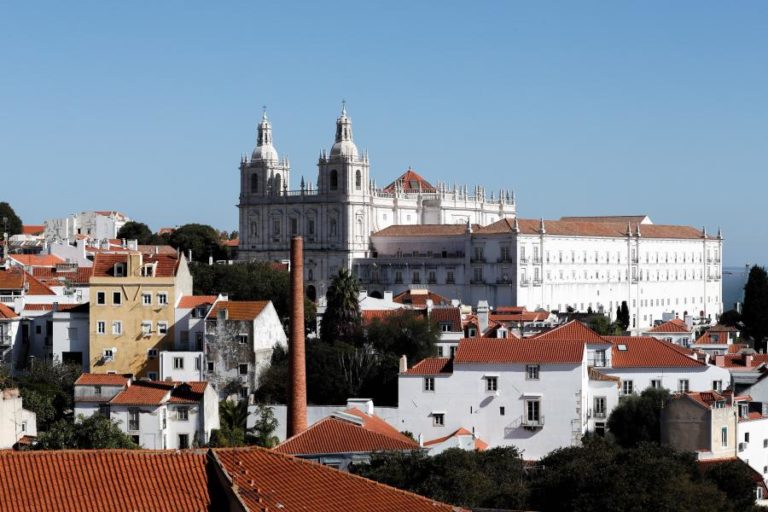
[[297, 399]]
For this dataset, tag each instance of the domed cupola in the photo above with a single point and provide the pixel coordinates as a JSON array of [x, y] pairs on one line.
[[264, 148], [344, 145]]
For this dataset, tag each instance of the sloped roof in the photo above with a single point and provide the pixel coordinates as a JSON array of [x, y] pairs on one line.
[[723, 328], [573, 330], [650, 352], [104, 263], [32, 229], [36, 260], [155, 393], [479, 443], [266, 479], [672, 327], [432, 366], [450, 316], [243, 310], [101, 379], [14, 279], [419, 297], [633, 219], [54, 277], [104, 480], [410, 181], [522, 316], [335, 434], [708, 339], [738, 361], [68, 308], [591, 229], [525, 350], [422, 230], [704, 398], [368, 316], [192, 301], [7, 313]]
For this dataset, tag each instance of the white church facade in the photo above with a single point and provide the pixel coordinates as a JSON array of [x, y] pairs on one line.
[[469, 245]]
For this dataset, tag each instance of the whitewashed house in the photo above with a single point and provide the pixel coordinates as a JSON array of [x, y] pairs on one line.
[[157, 415], [189, 329], [181, 366], [239, 340], [10, 324], [16, 423], [674, 331]]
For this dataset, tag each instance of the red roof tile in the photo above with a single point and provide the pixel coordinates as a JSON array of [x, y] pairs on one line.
[[71, 308], [450, 316], [244, 310], [591, 229], [526, 350], [723, 328], [101, 379], [432, 366], [573, 330], [672, 326], [479, 443], [704, 398], [32, 229], [157, 393], [103, 480], [192, 301], [523, 316], [56, 277], [104, 263], [410, 181], [368, 316], [269, 480], [712, 338], [419, 297], [7, 313], [16, 279], [339, 435], [649, 352], [739, 361], [36, 260]]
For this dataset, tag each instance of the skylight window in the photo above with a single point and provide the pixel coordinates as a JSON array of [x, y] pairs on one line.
[[623, 348]]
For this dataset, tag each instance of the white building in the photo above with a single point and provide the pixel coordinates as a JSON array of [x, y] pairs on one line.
[[58, 332], [240, 337], [337, 214], [580, 263], [10, 335], [103, 224], [157, 415], [189, 328], [15, 421], [178, 366]]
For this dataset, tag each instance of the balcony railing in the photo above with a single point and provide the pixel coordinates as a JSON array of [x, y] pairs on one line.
[[525, 281], [537, 260], [133, 425], [537, 281], [599, 415], [524, 260], [597, 362], [537, 422], [504, 259]]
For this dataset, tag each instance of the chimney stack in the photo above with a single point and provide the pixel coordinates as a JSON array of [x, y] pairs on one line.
[[297, 399]]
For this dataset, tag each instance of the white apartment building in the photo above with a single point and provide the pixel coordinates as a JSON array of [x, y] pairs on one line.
[[337, 213], [580, 263], [178, 366], [189, 328], [99, 225], [157, 415]]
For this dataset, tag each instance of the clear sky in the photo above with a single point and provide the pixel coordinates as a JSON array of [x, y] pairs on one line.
[[583, 108]]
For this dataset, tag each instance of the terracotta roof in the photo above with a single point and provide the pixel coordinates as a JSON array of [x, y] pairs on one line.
[[723, 328], [419, 297], [410, 181], [526, 350], [591, 229], [192, 301], [69, 308], [650, 352], [712, 338], [738, 361], [672, 326], [55, 277], [104, 263], [32, 229], [231, 243], [15, 278], [368, 316], [157, 249], [338, 435], [432, 366], [450, 316], [7, 313], [157, 393], [633, 219], [704, 398], [422, 230], [573, 330], [523, 316], [595, 374], [479, 443], [101, 379], [245, 310], [104, 480], [269, 480], [36, 260]]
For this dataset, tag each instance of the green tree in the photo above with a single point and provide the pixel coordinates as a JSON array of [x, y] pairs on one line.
[[94, 432], [47, 389], [133, 230], [341, 321], [637, 419], [730, 318], [755, 311], [9, 220], [622, 316], [734, 478], [234, 414], [227, 437], [408, 333], [263, 431], [603, 326], [201, 239]]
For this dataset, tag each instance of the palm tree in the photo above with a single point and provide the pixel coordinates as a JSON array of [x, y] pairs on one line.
[[233, 414], [341, 321]]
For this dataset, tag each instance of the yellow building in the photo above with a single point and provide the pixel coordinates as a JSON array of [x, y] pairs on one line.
[[132, 311]]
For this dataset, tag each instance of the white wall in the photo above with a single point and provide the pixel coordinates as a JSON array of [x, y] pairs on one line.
[[193, 366], [699, 378]]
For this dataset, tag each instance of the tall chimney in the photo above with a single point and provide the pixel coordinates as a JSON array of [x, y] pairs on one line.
[[297, 400]]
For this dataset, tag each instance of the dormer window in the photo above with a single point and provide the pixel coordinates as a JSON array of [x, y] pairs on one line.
[[119, 270], [148, 270]]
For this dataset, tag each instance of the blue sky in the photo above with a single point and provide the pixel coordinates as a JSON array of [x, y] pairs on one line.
[[580, 107]]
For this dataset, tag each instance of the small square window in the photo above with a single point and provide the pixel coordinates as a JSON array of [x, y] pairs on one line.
[[117, 298], [162, 327], [146, 328], [491, 383], [146, 299], [532, 372], [429, 383], [152, 375], [178, 363], [152, 352], [162, 299], [101, 298], [502, 411], [242, 339], [101, 327], [244, 392], [210, 366], [243, 369], [117, 328], [183, 413], [438, 419]]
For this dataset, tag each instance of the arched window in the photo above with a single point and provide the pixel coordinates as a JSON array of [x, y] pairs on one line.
[[254, 183], [278, 183], [334, 180], [358, 180]]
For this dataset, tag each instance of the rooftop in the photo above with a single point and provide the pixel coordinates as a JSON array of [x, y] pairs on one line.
[[672, 327], [649, 352], [514, 351], [242, 310]]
